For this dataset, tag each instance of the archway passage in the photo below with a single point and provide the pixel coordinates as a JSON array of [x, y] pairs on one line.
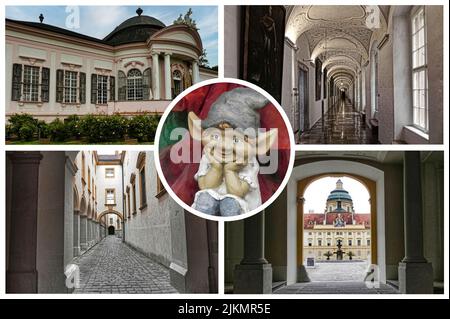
[[111, 230], [337, 235]]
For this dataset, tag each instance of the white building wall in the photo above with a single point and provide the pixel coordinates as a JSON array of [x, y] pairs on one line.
[[149, 230]]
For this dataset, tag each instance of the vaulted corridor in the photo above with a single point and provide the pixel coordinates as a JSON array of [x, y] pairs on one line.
[[386, 59], [342, 124]]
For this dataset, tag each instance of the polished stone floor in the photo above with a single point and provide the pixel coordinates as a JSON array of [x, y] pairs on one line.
[[342, 124]]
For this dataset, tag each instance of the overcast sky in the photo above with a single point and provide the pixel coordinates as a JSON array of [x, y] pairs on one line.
[[98, 21], [317, 192]]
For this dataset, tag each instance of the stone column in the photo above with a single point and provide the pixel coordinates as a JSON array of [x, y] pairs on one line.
[[167, 77], [21, 274], [76, 233], [155, 71], [195, 72], [83, 232], [415, 274], [254, 274]]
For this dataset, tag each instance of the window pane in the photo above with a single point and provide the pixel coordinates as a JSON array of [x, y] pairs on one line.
[[421, 57], [422, 80], [421, 37]]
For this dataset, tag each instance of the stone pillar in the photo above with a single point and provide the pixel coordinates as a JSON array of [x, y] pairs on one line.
[[195, 72], [21, 274], [415, 274], [254, 274], [83, 233], [76, 233], [155, 71], [167, 77]]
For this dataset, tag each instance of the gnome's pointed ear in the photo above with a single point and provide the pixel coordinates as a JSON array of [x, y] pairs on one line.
[[266, 140], [194, 124]]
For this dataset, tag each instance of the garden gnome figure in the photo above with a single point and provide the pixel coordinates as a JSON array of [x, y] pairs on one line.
[[231, 139]]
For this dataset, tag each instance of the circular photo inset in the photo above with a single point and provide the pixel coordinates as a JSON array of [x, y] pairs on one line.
[[224, 149]]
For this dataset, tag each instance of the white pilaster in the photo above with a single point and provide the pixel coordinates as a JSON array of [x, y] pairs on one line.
[[155, 64], [195, 72], [167, 75]]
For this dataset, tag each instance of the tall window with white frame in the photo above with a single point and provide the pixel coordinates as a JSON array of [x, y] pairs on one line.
[[70, 86], [419, 69], [102, 89], [31, 83], [134, 85]]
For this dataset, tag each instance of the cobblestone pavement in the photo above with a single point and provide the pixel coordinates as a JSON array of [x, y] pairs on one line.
[[113, 267], [338, 271]]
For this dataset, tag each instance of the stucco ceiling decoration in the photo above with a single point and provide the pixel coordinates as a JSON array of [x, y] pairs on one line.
[[335, 30]]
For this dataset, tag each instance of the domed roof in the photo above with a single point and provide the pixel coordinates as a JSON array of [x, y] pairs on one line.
[[339, 193], [135, 29]]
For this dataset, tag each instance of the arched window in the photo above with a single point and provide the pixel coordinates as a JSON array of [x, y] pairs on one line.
[[177, 78], [134, 85]]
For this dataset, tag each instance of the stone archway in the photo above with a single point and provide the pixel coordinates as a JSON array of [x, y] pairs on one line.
[[370, 186], [116, 231], [76, 222], [329, 167]]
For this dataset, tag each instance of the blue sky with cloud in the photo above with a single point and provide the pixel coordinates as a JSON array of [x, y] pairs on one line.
[[98, 21]]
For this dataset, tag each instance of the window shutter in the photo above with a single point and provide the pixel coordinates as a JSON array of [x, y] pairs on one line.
[[146, 84], [112, 88], [94, 89], [82, 88], [16, 82], [59, 85], [122, 86], [45, 82]]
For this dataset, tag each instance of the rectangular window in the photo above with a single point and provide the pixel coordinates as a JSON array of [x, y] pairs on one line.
[[83, 168], [349, 242], [368, 242], [110, 196], [70, 86], [31, 83], [359, 242], [109, 173], [111, 221], [133, 187], [102, 89], [419, 70], [143, 189]]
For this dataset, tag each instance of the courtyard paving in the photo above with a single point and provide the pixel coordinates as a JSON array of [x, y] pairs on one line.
[[336, 278], [113, 267]]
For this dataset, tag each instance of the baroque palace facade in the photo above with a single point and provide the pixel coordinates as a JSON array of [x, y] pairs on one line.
[[139, 67], [338, 224]]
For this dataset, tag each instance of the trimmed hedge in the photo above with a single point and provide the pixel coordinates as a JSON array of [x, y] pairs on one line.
[[92, 128]]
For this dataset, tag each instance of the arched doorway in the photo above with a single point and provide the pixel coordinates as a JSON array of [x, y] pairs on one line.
[[111, 230], [335, 239], [301, 176], [104, 219]]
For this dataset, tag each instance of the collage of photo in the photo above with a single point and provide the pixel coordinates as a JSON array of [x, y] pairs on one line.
[[254, 150]]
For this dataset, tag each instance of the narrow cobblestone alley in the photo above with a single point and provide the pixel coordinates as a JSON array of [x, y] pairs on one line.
[[114, 267]]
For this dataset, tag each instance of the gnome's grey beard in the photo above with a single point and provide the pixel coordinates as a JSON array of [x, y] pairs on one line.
[[239, 108]]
